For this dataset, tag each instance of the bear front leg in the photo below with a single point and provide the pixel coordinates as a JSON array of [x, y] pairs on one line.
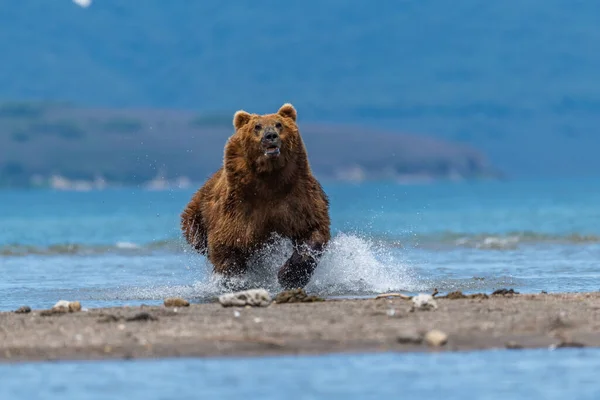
[[193, 227], [299, 268], [227, 260]]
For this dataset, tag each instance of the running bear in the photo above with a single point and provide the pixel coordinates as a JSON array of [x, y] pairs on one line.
[[264, 187]]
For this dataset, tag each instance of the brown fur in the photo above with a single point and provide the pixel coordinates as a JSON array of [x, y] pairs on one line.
[[253, 196]]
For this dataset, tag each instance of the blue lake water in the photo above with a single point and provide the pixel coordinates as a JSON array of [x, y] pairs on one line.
[[531, 374], [123, 246]]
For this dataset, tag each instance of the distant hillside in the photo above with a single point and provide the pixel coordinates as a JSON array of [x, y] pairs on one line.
[[135, 146], [517, 79]]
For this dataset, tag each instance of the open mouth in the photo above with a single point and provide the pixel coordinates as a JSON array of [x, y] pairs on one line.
[[272, 151]]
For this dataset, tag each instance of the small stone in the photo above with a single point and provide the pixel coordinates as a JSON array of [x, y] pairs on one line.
[[142, 316], [424, 302], [64, 306], [249, 298], [436, 338], [410, 338], [394, 294], [296, 296], [74, 306], [176, 302], [513, 345], [23, 310], [504, 292], [569, 343], [456, 295], [61, 306]]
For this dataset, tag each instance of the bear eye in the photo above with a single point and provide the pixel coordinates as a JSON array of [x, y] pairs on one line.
[[278, 125], [258, 127]]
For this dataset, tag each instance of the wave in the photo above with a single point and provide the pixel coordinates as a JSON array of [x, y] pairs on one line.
[[17, 249], [482, 241], [502, 241]]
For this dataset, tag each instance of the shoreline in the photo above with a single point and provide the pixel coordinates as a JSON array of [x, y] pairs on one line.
[[333, 326], [61, 183]]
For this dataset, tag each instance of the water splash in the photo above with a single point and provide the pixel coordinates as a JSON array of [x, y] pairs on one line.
[[351, 266], [83, 3], [354, 265]]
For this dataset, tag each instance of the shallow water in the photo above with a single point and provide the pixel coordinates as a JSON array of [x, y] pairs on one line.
[[527, 374], [123, 246]]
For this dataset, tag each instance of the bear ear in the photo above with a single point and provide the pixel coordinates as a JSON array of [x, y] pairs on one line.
[[288, 110], [240, 118]]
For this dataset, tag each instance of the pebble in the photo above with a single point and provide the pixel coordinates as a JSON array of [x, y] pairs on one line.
[[504, 292], [65, 306], [74, 306], [252, 298], [296, 296], [410, 338], [436, 338], [513, 345], [176, 302], [387, 295], [460, 295], [142, 316], [424, 302], [61, 306], [23, 310], [569, 344]]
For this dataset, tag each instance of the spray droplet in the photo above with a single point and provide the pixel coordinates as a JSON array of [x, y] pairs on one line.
[[83, 3]]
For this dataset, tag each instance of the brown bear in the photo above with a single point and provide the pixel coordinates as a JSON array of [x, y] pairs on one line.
[[264, 187]]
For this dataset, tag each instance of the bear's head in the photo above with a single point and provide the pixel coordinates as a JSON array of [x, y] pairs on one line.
[[270, 142]]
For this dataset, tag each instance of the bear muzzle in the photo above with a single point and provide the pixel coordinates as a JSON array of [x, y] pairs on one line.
[[271, 143]]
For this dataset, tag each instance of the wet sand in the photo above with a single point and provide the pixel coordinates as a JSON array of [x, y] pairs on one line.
[[512, 321]]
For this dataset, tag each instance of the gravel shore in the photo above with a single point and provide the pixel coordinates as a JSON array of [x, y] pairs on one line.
[[384, 324]]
